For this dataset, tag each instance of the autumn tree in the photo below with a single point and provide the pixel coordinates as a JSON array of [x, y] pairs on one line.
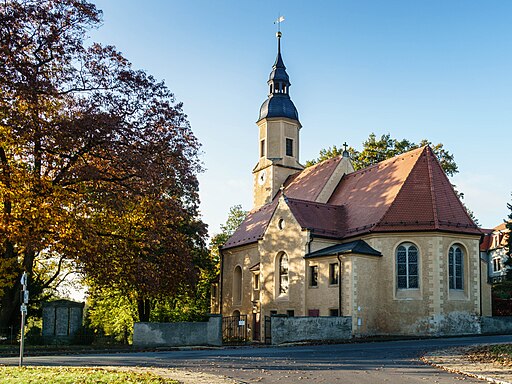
[[98, 163], [192, 302]]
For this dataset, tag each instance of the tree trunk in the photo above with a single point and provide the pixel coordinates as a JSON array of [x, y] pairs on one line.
[[11, 300], [144, 310], [10, 307]]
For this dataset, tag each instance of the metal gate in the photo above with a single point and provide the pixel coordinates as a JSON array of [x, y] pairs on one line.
[[268, 330], [234, 329]]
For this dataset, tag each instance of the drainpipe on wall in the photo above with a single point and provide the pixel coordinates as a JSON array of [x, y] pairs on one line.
[[308, 248], [480, 279], [339, 284], [221, 280]]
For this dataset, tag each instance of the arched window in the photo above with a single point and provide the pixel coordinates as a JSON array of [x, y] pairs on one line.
[[456, 267], [407, 266], [283, 274], [237, 285]]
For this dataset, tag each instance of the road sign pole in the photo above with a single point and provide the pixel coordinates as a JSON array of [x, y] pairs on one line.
[[22, 340], [23, 309]]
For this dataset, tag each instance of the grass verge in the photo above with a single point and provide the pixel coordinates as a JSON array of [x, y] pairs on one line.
[[65, 375]]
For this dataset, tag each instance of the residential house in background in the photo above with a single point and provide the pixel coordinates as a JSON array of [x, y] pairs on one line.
[[494, 249]]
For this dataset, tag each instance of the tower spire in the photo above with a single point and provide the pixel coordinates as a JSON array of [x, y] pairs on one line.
[[278, 127], [278, 103]]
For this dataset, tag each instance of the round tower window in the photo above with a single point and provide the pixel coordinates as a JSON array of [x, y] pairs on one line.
[[280, 224]]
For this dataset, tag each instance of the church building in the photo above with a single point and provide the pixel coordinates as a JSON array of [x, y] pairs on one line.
[[390, 246]]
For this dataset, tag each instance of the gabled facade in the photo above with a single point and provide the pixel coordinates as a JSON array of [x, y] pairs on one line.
[[391, 245], [494, 249]]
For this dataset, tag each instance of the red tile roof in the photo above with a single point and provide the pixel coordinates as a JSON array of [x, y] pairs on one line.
[[486, 242], [501, 227], [253, 227], [409, 192], [427, 201], [495, 238], [309, 183], [325, 220], [368, 193]]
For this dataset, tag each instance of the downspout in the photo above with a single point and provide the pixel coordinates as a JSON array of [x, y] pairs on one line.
[[480, 280], [308, 247], [339, 284], [480, 272], [221, 279]]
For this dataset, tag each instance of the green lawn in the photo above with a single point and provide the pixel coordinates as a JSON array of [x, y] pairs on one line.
[[61, 375]]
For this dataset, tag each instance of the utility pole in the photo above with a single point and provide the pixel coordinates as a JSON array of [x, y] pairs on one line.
[[23, 309]]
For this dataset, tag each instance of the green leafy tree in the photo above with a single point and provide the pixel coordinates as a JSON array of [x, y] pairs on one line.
[[98, 164], [376, 150], [508, 261], [236, 216], [111, 312]]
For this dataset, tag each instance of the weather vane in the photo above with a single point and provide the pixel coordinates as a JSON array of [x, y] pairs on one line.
[[279, 20]]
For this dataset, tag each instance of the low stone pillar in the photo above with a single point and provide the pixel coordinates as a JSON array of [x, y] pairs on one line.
[[62, 319]]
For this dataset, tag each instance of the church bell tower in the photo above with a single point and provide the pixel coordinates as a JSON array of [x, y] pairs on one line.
[[279, 128]]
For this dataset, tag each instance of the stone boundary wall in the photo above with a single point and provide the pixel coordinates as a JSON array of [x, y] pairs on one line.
[[496, 324], [178, 334], [293, 329]]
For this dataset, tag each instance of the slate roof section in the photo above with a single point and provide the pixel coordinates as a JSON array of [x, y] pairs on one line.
[[253, 227], [360, 247], [278, 105]]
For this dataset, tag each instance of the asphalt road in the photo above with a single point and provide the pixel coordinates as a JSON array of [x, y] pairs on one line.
[[378, 362]]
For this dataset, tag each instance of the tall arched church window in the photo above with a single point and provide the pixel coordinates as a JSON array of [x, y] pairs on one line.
[[283, 274], [237, 285], [456, 267], [407, 266]]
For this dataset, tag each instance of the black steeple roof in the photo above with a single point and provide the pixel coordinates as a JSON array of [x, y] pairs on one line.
[[278, 103]]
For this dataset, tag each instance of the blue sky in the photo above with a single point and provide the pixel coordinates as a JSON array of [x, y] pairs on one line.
[[440, 70]]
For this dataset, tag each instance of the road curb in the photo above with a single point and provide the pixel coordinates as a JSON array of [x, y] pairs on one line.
[[455, 354]]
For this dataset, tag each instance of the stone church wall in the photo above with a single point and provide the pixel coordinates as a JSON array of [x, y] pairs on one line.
[[287, 237], [245, 258], [433, 308]]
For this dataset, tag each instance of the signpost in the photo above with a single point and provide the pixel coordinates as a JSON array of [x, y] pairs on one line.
[[23, 309]]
